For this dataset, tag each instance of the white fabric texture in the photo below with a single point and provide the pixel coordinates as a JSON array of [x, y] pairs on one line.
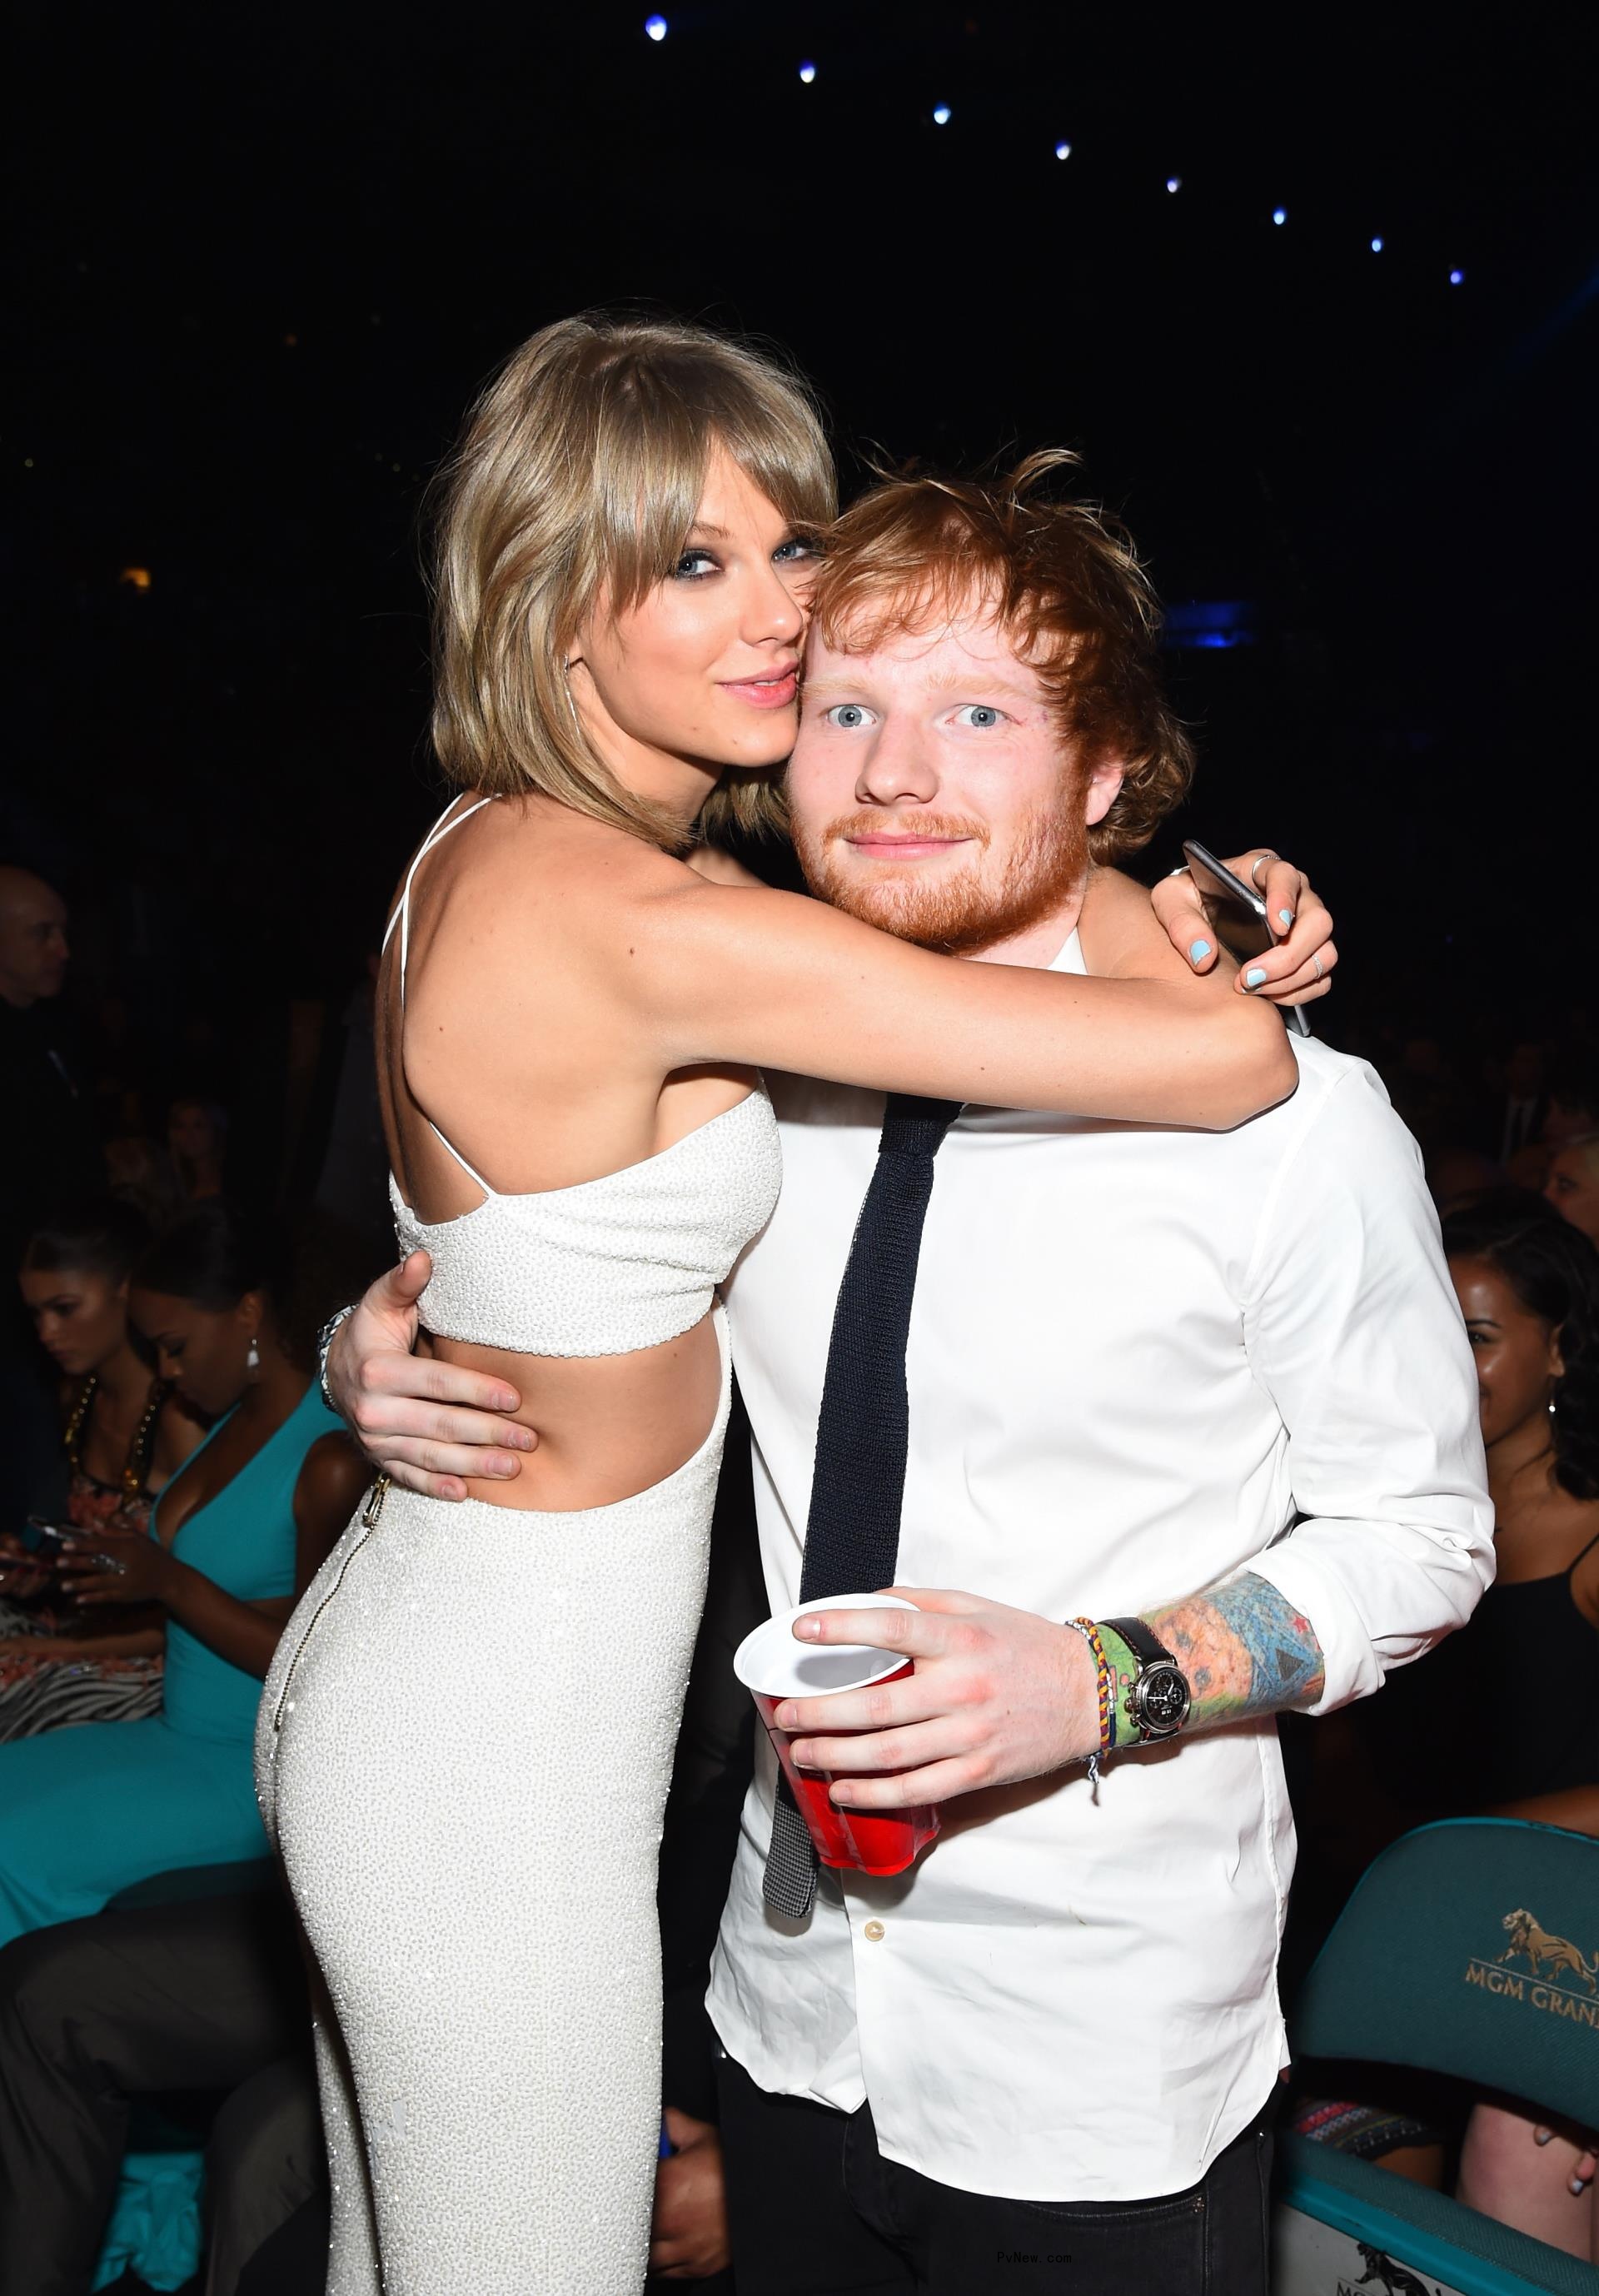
[[463, 1758], [628, 1260], [1135, 1356], [623, 1262]]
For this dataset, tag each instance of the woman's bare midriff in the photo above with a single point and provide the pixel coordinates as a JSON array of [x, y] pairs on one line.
[[608, 1426]]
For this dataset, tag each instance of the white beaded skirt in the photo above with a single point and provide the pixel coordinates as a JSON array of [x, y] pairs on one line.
[[462, 1756]]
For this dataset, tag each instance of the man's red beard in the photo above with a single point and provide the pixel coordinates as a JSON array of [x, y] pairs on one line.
[[958, 912]]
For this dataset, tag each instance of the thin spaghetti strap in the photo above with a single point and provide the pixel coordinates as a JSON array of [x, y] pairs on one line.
[[402, 917], [1584, 1554], [402, 912], [450, 1148]]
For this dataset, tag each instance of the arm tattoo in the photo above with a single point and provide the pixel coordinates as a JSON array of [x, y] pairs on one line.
[[1244, 1649]]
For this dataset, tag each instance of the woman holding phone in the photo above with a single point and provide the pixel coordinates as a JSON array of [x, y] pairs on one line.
[[126, 1432], [465, 1741]]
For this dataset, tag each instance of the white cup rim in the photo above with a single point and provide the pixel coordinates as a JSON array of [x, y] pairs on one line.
[[768, 1660]]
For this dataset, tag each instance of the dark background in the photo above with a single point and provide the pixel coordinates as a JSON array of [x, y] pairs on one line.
[[265, 258]]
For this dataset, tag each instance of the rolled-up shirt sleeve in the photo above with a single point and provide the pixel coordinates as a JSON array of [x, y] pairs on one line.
[[1353, 1328]]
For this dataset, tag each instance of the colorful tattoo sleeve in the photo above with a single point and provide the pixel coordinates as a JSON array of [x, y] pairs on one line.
[[1244, 1649]]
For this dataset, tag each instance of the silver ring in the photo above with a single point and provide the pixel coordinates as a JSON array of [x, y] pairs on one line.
[[1317, 962], [1180, 870], [1255, 863]]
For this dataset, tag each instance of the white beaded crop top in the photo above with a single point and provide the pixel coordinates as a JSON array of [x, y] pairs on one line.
[[605, 1267]]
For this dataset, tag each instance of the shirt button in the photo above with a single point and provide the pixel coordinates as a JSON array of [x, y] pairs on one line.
[[873, 1930]]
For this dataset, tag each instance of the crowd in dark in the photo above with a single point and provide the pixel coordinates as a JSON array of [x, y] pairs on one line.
[[180, 1210]]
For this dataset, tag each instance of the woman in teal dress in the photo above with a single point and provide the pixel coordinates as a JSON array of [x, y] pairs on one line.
[[87, 1812]]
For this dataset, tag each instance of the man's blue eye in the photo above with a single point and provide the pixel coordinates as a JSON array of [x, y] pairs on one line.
[[982, 715], [847, 716]]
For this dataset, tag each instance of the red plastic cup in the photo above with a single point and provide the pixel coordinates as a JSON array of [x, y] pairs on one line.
[[773, 1666]]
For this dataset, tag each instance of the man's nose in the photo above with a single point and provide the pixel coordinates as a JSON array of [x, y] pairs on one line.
[[899, 769]]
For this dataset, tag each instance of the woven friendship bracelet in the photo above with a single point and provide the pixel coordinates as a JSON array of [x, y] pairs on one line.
[[1106, 1693]]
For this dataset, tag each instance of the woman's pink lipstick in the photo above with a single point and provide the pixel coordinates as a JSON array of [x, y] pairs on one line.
[[774, 691]]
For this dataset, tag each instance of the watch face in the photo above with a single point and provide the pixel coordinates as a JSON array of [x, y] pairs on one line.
[[1163, 1697]]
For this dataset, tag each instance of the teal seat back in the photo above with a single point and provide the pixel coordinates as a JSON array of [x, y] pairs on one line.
[[1470, 1948]]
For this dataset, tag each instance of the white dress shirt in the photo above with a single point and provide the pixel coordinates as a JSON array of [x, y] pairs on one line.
[[1135, 1356]]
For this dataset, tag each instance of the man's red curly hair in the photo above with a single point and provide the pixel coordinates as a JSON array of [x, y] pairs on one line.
[[1066, 585]]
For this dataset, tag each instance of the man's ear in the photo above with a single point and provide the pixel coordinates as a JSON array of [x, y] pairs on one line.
[[1103, 787]]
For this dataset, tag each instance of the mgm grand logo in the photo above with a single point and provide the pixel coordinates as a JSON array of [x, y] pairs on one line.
[[1555, 1978]]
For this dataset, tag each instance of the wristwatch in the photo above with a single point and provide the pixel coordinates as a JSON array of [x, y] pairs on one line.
[[324, 1340], [1158, 1698]]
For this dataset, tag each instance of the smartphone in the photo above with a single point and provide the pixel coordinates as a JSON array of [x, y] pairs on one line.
[[45, 1540], [1237, 915]]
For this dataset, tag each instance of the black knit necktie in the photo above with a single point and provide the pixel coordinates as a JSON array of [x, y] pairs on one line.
[[863, 1436]]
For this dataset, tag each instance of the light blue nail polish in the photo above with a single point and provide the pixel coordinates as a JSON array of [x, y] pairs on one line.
[[1254, 976], [1284, 916], [1198, 950]]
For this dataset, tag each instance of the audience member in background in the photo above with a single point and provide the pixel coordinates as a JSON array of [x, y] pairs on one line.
[[1502, 1718], [127, 1434], [197, 1139], [1570, 1110], [84, 1813], [47, 1151], [1573, 1109], [1514, 1111], [139, 1172], [1572, 1186], [1529, 1288], [1527, 1284]]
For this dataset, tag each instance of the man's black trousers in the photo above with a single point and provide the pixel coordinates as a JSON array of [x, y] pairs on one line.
[[815, 2210], [204, 1996]]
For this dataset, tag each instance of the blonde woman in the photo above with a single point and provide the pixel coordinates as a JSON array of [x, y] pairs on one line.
[[465, 1741]]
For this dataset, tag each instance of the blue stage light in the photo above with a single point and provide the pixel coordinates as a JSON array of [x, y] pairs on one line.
[[656, 26], [1279, 215], [1173, 182], [807, 72], [1209, 624], [1376, 247], [1063, 150], [940, 115], [1455, 278]]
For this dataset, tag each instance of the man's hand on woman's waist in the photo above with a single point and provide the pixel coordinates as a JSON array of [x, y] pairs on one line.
[[425, 1424]]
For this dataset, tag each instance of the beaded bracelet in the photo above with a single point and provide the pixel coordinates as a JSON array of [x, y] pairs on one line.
[[1102, 1666]]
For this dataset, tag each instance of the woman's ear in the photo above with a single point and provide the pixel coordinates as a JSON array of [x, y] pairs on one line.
[[253, 1312], [1557, 1362]]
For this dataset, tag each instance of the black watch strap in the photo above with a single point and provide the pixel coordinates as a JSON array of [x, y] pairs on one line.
[[1145, 1647]]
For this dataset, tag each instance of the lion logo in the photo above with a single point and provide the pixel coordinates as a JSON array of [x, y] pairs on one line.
[[1540, 1949]]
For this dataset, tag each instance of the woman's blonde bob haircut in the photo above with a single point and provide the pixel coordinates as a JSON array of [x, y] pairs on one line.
[[580, 472]]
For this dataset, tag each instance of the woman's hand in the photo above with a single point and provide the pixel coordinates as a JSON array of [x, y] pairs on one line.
[[116, 1566], [1299, 968], [22, 1575]]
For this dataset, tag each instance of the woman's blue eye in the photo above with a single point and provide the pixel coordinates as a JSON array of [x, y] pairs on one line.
[[796, 546], [694, 565], [849, 717], [982, 715]]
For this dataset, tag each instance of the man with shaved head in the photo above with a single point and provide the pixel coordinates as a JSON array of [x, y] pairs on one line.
[[47, 1154], [33, 939]]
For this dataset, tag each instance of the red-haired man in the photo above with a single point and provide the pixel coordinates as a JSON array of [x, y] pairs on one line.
[[1209, 1392]]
